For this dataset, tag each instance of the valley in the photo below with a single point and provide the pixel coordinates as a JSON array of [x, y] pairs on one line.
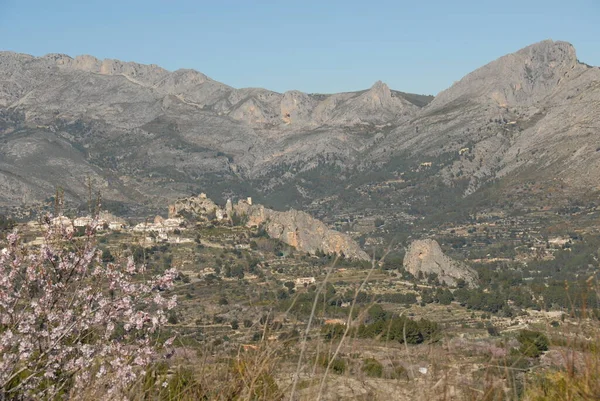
[[321, 246], [248, 298]]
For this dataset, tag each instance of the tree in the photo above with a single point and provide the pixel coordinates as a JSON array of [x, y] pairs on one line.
[[376, 313], [413, 334], [426, 296], [492, 330], [69, 322], [533, 343], [429, 330], [6, 224], [107, 256], [444, 296]]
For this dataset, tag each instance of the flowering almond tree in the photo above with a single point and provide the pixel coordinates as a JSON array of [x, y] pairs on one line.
[[69, 322]]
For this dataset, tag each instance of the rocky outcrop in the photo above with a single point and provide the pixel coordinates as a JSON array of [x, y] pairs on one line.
[[301, 231], [426, 257], [377, 105], [197, 206], [293, 227]]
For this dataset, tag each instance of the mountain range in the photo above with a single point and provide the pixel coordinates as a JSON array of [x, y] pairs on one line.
[[144, 135]]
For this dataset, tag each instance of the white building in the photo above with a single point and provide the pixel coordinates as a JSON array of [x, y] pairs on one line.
[[61, 221], [304, 281], [82, 221], [115, 225], [64, 223]]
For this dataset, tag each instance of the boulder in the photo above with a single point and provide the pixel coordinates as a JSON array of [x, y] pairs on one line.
[[426, 257]]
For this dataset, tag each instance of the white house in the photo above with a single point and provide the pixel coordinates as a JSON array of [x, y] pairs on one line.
[[115, 225], [302, 281], [82, 221]]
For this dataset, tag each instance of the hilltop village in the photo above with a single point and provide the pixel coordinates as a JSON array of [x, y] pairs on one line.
[[295, 228], [182, 214]]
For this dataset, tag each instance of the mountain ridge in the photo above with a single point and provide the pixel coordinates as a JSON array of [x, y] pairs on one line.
[[146, 135], [184, 82]]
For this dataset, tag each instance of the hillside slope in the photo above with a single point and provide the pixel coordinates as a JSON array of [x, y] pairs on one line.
[[535, 110]]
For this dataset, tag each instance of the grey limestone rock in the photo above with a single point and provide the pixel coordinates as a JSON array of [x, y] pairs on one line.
[[426, 257]]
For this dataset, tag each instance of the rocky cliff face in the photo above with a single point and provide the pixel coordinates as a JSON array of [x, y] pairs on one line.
[[301, 231], [426, 257], [198, 206]]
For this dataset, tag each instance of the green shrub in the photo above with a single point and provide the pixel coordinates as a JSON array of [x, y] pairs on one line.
[[338, 365], [333, 331], [172, 318], [533, 343], [372, 367]]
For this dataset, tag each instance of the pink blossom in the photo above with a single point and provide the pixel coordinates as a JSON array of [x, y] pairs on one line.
[[48, 330], [169, 341], [172, 302]]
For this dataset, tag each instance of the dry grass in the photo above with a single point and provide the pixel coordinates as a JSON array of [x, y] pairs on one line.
[[309, 368], [573, 367]]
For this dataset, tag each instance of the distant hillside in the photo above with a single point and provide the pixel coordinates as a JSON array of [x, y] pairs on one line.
[[145, 136]]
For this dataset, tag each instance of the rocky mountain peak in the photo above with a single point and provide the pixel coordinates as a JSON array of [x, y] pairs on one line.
[[378, 95], [549, 51], [86, 62], [521, 78], [136, 120], [380, 87]]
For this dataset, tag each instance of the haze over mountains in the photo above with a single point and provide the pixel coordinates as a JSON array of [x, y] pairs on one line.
[[145, 135]]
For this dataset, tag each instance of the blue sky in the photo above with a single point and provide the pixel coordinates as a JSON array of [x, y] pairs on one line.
[[313, 46]]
